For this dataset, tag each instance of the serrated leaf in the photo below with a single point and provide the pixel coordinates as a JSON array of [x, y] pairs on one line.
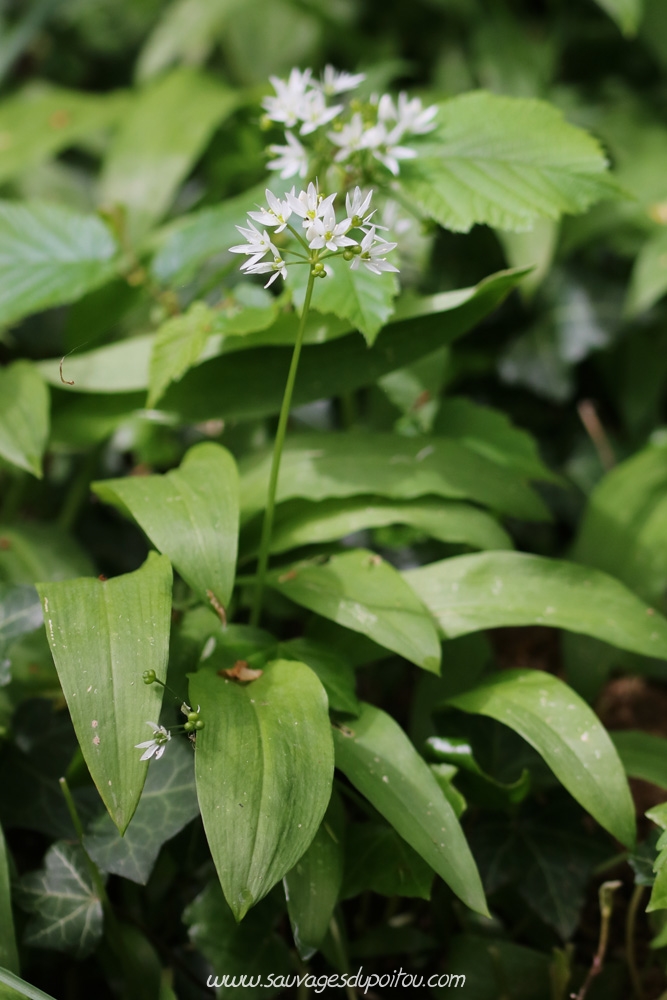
[[494, 589], [626, 13], [103, 635], [318, 466], [379, 760], [312, 886], [642, 755], [159, 140], [264, 768], [309, 523], [362, 592], [624, 527], [190, 514], [24, 415], [68, 913], [40, 120], [32, 552], [504, 161], [9, 957], [177, 347], [567, 734], [50, 255], [377, 859], [167, 804]]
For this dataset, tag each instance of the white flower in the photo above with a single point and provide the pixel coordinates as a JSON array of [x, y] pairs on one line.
[[310, 204], [371, 250], [258, 245], [385, 148], [350, 138], [412, 117], [314, 112], [277, 213], [290, 159], [156, 746], [287, 105], [356, 206], [326, 232], [277, 266], [337, 82]]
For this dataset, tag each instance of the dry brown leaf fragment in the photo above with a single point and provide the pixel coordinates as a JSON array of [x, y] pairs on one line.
[[241, 672]]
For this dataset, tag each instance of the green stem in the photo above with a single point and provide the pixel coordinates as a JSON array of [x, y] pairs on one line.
[[92, 867], [267, 526], [78, 492]]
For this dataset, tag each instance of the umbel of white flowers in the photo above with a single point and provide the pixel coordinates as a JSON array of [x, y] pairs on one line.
[[318, 236], [378, 126]]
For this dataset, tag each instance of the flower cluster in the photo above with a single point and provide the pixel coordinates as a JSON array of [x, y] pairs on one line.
[[378, 127], [161, 736], [318, 234]]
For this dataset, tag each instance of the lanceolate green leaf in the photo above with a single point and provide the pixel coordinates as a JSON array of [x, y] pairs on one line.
[[190, 514], [493, 589], [264, 767], [379, 760], [9, 958], [624, 528], [364, 593], [177, 347], [626, 13], [103, 635], [50, 255], [642, 755], [309, 523], [317, 466], [159, 140], [504, 161], [30, 552], [648, 283], [568, 735], [19, 988], [67, 912], [24, 415]]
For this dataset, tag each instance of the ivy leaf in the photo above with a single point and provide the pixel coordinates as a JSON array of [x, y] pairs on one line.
[[567, 734], [504, 161], [24, 414], [103, 635], [381, 762], [376, 858], [68, 911], [167, 804], [364, 593], [50, 255], [159, 140], [190, 514], [264, 768], [494, 589]]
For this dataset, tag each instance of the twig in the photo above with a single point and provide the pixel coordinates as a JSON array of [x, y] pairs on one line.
[[606, 897], [596, 432]]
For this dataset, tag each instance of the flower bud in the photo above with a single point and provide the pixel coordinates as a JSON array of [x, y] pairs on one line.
[[189, 727], [149, 676], [199, 724]]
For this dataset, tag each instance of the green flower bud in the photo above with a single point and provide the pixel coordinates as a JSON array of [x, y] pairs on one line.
[[193, 716], [149, 676], [199, 724], [347, 253], [189, 727]]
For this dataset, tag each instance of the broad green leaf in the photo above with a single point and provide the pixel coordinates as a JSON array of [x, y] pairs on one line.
[[567, 734], [309, 523], [362, 298], [177, 347], [67, 911], [39, 121], [264, 767], [546, 854], [334, 671], [417, 389], [253, 948], [318, 466], [379, 760], [9, 957], [190, 514], [484, 965], [32, 552], [114, 368], [16, 987], [648, 282], [186, 33], [642, 755], [626, 13], [24, 415], [103, 635], [624, 527], [495, 589], [364, 593], [491, 433], [50, 255], [20, 612], [161, 136], [377, 859], [167, 804], [475, 783], [504, 161], [312, 886]]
